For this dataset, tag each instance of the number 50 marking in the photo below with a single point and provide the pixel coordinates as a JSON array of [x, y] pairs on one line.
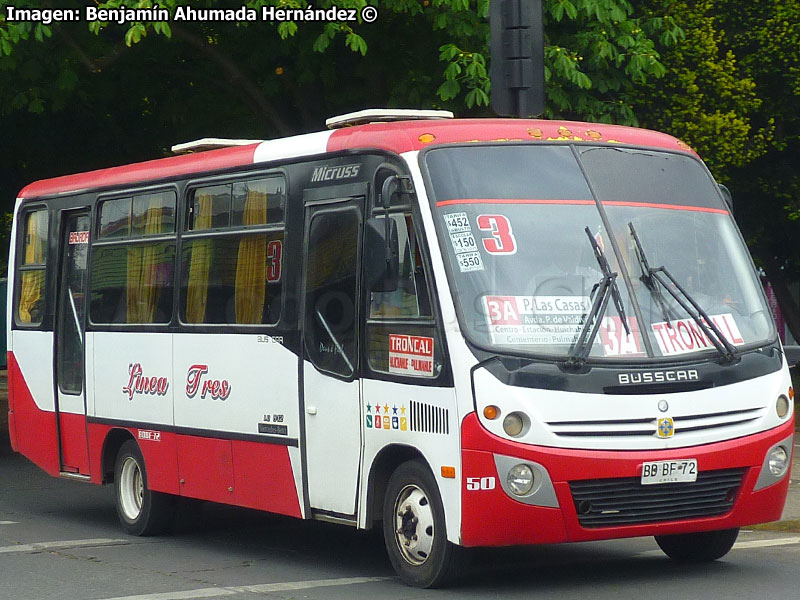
[[480, 483], [502, 240]]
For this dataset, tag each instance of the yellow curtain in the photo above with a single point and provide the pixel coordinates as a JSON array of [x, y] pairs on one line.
[[143, 289], [199, 264], [32, 281], [251, 264]]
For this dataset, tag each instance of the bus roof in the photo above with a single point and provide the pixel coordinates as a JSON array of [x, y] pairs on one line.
[[399, 137]]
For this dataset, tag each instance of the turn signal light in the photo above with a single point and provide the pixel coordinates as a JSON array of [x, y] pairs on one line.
[[449, 472], [791, 393], [491, 412]]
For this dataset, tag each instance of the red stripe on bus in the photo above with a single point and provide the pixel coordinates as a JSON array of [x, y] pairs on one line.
[[404, 136], [510, 201], [719, 211], [581, 202], [150, 171]]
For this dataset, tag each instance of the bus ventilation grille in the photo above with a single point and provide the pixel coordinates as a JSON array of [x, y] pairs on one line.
[[429, 419], [614, 502]]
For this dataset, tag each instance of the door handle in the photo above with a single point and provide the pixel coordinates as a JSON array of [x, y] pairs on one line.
[[312, 410]]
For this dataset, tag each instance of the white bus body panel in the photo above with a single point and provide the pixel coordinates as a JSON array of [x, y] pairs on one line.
[[128, 358], [333, 440], [439, 444], [244, 380], [33, 351], [307, 144], [603, 422]]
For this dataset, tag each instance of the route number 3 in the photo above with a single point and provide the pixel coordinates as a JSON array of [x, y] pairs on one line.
[[275, 256], [480, 483], [502, 240]]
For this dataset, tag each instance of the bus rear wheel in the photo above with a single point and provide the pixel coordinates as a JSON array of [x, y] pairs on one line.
[[414, 529], [698, 547], [141, 511]]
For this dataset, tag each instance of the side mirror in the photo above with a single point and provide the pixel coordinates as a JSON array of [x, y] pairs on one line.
[[726, 193], [792, 354], [382, 254]]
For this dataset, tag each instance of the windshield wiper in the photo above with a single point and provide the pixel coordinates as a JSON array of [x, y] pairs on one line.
[[603, 290], [647, 277], [651, 276]]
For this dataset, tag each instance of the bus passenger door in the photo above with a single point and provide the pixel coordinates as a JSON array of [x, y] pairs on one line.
[[331, 389], [69, 346]]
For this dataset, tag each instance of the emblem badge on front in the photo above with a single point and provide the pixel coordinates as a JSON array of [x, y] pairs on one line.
[[663, 406], [666, 427]]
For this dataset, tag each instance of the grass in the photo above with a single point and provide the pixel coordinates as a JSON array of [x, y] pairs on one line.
[[792, 526]]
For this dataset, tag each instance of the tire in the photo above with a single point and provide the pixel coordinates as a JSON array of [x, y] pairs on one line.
[[698, 547], [414, 529], [140, 511]]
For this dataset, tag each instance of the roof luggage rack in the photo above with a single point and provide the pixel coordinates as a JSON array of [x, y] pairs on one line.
[[372, 115], [210, 144]]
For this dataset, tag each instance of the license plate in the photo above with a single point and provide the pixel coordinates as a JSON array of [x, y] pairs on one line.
[[669, 471]]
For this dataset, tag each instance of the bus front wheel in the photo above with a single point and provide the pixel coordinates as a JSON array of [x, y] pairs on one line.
[[414, 529], [704, 546], [141, 511]]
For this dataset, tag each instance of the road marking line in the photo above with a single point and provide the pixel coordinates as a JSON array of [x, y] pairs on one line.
[[264, 588], [39, 546], [787, 541], [8, 522], [767, 543]]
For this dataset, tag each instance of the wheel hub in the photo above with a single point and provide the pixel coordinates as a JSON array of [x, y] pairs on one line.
[[131, 489], [414, 525]]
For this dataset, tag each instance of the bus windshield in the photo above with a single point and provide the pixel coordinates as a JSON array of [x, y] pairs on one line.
[[513, 220]]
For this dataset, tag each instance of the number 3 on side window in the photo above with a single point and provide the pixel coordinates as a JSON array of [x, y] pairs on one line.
[[502, 240]]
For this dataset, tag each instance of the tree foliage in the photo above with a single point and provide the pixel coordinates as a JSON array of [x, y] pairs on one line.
[[597, 52]]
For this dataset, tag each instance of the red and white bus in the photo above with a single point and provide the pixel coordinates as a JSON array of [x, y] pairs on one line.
[[475, 332]]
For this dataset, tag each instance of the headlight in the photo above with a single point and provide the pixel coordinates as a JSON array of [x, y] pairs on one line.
[[778, 461], [782, 406], [513, 424], [520, 480]]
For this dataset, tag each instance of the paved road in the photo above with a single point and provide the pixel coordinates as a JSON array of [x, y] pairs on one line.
[[60, 539]]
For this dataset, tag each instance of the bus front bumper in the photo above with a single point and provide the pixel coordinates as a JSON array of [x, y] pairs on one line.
[[585, 495]]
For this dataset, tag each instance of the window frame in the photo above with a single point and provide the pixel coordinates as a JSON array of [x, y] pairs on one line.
[[339, 203], [186, 234], [434, 321], [99, 242], [132, 195], [20, 268]]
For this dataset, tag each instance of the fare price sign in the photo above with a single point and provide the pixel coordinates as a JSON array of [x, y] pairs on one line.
[[463, 242]]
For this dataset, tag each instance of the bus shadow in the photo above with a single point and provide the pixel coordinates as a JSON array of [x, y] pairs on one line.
[[254, 536]]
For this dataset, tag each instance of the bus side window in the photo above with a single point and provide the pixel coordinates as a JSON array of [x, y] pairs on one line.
[[411, 298], [232, 269], [31, 290], [330, 321], [401, 333], [131, 274]]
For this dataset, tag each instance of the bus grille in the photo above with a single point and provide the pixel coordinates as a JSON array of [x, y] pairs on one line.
[[610, 502], [646, 427]]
